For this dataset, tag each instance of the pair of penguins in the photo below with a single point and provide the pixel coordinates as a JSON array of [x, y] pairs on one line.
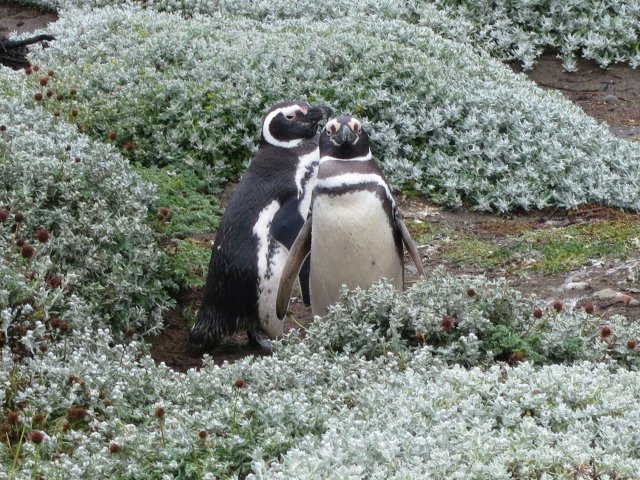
[[310, 206]]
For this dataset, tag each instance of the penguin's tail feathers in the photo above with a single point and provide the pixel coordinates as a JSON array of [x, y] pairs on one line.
[[209, 330]]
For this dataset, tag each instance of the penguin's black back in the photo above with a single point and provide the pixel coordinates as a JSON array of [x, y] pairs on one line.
[[230, 296]]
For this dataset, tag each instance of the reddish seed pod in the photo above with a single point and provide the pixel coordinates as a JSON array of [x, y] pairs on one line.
[[4, 215], [55, 322], [54, 281], [130, 332], [73, 91], [537, 312], [471, 292], [589, 308], [39, 418], [632, 343], [19, 217], [42, 235], [112, 135], [74, 113], [162, 213], [159, 412], [76, 413], [605, 331], [36, 437], [12, 418], [203, 435], [239, 383], [3, 128], [43, 81], [36, 68], [38, 96], [59, 97], [557, 306], [51, 73], [49, 93], [114, 448], [28, 70], [27, 251], [447, 323]]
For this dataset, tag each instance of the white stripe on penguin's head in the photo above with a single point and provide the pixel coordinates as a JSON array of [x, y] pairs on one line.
[[289, 112]]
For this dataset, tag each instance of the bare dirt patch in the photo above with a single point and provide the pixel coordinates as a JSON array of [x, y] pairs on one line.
[[611, 96], [21, 19]]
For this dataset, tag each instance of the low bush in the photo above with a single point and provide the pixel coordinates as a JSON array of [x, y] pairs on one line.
[[373, 391], [446, 121], [74, 222], [600, 30]]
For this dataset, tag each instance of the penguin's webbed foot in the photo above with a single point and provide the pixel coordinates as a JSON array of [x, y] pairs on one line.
[[256, 339]]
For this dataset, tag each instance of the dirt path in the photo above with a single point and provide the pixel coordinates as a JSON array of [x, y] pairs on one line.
[[20, 19], [611, 96]]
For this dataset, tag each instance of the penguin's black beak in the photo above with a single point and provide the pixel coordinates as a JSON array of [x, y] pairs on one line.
[[315, 114], [345, 135]]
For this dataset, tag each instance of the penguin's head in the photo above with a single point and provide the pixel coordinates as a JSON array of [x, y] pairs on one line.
[[344, 137], [289, 123]]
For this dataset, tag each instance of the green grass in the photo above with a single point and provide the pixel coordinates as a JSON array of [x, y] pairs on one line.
[[477, 253], [188, 207], [188, 261], [553, 251], [191, 197], [566, 248]]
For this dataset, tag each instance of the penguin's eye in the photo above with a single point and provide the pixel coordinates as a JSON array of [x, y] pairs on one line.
[[291, 116]]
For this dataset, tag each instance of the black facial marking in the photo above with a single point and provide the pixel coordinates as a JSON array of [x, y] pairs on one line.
[[334, 141], [295, 124]]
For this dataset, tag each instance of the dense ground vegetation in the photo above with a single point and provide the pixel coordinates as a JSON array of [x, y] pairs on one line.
[[114, 151]]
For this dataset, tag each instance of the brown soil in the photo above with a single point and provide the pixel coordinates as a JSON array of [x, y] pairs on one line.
[[611, 96], [20, 19]]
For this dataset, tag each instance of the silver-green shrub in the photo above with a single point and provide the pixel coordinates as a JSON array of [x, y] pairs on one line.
[[93, 209], [319, 409], [601, 30], [471, 321], [446, 121]]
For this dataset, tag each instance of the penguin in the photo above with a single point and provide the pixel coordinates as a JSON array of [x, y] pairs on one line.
[[257, 228], [354, 233]]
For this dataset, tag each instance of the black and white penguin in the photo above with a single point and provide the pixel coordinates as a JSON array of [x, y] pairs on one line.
[[260, 223], [354, 232]]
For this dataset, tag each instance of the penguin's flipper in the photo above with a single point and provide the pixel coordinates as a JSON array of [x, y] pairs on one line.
[[303, 276], [287, 222], [285, 226], [297, 255], [410, 244]]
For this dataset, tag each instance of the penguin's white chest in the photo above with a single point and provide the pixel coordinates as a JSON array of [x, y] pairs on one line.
[[352, 243]]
